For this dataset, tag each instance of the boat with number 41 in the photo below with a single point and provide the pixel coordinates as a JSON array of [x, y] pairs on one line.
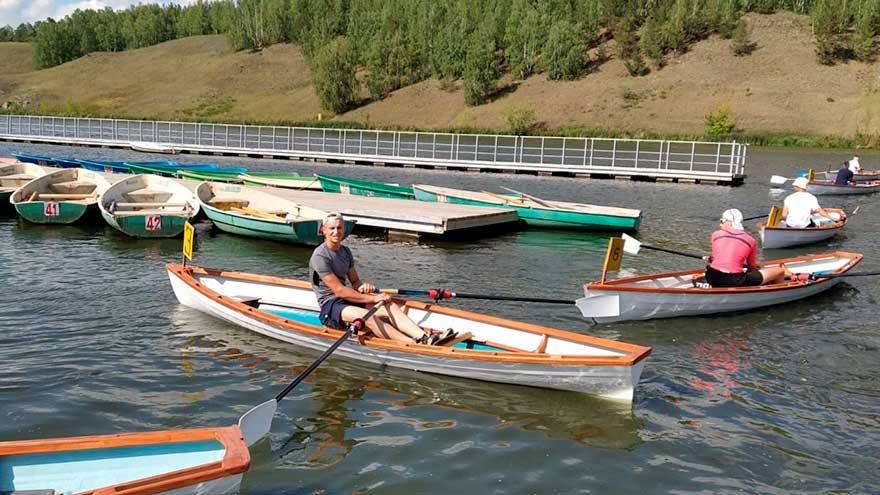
[[173, 462], [63, 196], [487, 348], [667, 295]]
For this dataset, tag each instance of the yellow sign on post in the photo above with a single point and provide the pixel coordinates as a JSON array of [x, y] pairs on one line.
[[774, 217], [811, 174], [189, 235], [613, 256]]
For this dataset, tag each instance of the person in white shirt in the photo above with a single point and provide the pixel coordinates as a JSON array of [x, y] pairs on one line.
[[800, 206], [854, 165]]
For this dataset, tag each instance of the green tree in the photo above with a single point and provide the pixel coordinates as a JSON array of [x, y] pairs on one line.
[[193, 20], [866, 28], [524, 37], [564, 54], [334, 75], [828, 24], [6, 33], [649, 42], [481, 68]]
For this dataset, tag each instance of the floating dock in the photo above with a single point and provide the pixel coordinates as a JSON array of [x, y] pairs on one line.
[[653, 160]]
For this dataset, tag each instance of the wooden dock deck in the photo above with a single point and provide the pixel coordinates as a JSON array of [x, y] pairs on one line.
[[396, 216]]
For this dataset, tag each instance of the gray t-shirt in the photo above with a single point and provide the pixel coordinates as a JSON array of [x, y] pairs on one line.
[[325, 261]]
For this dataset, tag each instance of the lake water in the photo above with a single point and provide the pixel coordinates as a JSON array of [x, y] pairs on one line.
[[782, 400]]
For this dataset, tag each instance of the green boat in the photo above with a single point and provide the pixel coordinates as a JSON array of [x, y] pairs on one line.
[[344, 185], [148, 206], [250, 212], [212, 175], [172, 171], [63, 196], [537, 212], [15, 175], [284, 180]]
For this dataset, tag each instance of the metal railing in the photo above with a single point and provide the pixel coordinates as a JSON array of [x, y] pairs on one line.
[[722, 160]]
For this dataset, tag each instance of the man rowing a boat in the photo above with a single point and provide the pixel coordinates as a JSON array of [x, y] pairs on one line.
[[800, 206], [734, 256], [845, 176], [331, 265]]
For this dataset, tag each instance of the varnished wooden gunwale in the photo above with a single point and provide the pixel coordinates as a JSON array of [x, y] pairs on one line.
[[633, 353], [832, 226], [235, 460], [619, 284]]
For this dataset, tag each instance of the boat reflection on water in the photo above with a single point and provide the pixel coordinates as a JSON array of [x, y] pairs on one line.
[[315, 421]]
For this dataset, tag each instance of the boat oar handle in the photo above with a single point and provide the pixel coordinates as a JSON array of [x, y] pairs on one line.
[[353, 328], [440, 294]]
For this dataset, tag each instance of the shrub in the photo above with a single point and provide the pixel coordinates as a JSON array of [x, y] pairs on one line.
[[719, 122], [520, 119], [636, 66], [741, 42]]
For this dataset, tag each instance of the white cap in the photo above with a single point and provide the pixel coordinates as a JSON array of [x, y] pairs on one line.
[[800, 183], [735, 217]]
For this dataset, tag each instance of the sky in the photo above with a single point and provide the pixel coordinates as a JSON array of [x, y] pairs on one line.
[[14, 12]]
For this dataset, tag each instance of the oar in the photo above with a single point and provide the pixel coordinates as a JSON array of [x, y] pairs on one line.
[[632, 245], [817, 275], [255, 424], [439, 294], [778, 179], [542, 202]]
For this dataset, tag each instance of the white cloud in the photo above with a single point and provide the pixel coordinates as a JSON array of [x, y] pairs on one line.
[[14, 12]]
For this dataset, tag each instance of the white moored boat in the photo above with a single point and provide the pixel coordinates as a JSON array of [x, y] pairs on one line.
[[488, 348], [783, 237], [667, 295], [831, 175]]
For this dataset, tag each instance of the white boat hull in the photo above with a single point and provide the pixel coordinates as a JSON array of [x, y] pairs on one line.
[[673, 295], [776, 238], [829, 189], [609, 381]]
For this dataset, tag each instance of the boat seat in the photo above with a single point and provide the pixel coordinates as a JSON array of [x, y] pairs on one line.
[[67, 197], [167, 213], [151, 205], [73, 187], [47, 491], [148, 195], [220, 201], [17, 177]]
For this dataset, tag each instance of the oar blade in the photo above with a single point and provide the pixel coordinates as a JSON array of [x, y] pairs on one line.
[[631, 245], [778, 179], [256, 423]]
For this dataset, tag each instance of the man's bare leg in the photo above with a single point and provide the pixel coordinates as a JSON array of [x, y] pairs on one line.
[[379, 328]]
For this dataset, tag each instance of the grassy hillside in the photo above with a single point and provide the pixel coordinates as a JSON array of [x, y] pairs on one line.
[[779, 88]]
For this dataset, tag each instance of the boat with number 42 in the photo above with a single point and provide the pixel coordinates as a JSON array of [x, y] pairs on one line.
[[537, 212], [251, 212], [63, 196], [783, 237], [667, 295], [178, 462], [148, 206], [487, 348]]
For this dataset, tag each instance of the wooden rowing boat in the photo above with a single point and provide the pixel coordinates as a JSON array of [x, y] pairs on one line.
[[284, 180], [490, 349], [171, 170], [827, 188], [15, 175], [358, 187], [63, 196], [178, 462], [831, 175], [149, 147], [537, 212], [783, 237], [667, 295], [117, 166], [251, 212], [218, 175], [148, 206]]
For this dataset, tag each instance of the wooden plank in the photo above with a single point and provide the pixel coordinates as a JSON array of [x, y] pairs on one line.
[[151, 205], [66, 196]]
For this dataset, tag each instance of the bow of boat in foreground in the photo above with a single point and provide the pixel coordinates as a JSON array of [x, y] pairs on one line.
[[178, 462], [667, 295], [489, 348]]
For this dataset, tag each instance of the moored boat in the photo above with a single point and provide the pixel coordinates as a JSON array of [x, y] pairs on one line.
[[178, 462], [117, 166], [15, 175], [783, 236], [149, 147], [171, 170], [148, 206], [36, 159], [488, 348], [667, 295], [284, 180], [536, 212], [251, 212], [63, 196], [358, 187], [828, 188], [217, 175]]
